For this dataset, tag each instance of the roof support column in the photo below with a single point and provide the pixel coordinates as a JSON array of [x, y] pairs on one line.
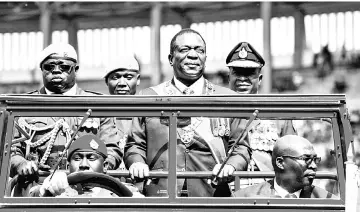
[[72, 31], [155, 61], [265, 9], [186, 22], [299, 38], [45, 22]]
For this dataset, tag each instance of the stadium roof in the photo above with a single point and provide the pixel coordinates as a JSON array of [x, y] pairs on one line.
[[24, 16]]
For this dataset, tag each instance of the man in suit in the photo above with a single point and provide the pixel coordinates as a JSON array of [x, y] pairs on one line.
[[245, 77], [147, 150], [295, 163], [59, 66]]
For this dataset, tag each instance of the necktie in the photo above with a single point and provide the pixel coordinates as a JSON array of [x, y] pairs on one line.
[[290, 196]]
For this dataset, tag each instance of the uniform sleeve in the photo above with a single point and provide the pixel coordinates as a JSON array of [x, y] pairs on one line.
[[136, 145], [287, 128], [135, 148], [111, 137], [17, 154], [18, 148], [240, 157]]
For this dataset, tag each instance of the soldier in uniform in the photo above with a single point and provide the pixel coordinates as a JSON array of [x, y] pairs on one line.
[[122, 78], [86, 154], [201, 141], [48, 135], [245, 76]]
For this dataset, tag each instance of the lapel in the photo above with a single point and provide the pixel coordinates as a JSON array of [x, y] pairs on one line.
[[307, 192], [271, 189], [79, 91], [42, 90]]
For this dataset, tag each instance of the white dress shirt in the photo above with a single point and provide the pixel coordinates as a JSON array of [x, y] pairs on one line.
[[282, 192], [196, 87], [71, 92]]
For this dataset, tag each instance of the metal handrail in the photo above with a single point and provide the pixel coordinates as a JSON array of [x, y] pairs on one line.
[[206, 174]]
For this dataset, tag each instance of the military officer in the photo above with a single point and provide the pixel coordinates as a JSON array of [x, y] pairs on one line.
[[59, 66], [122, 78], [200, 143], [245, 77]]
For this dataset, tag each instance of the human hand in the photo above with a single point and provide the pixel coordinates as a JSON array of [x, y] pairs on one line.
[[56, 186], [138, 171], [27, 168], [110, 163], [226, 174]]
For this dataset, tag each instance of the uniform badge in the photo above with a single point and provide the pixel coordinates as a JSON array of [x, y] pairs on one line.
[[93, 144], [222, 131], [243, 53], [216, 131]]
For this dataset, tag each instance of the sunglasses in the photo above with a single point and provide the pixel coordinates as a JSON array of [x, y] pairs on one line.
[[61, 67], [307, 159]]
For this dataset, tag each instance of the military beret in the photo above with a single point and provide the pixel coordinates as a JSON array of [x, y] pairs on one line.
[[128, 62], [62, 50], [245, 56], [88, 142]]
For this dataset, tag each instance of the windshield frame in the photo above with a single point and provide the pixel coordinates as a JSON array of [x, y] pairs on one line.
[[269, 106]]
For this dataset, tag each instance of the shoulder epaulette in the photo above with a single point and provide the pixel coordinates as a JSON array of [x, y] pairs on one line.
[[94, 92], [33, 92]]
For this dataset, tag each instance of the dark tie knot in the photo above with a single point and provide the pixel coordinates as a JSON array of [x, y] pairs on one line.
[[290, 196], [188, 91]]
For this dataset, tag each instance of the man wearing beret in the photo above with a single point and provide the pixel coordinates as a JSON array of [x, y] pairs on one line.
[[122, 78], [147, 148], [245, 77], [86, 154], [59, 66]]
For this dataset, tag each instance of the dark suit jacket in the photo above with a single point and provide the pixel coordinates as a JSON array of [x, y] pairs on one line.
[[266, 189], [148, 144]]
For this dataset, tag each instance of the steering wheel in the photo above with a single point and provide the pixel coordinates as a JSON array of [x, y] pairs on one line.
[[86, 179], [100, 180]]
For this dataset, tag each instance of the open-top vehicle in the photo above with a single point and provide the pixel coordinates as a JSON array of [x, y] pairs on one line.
[[322, 119]]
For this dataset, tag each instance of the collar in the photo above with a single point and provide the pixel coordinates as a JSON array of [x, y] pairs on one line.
[[71, 92], [282, 192], [197, 86]]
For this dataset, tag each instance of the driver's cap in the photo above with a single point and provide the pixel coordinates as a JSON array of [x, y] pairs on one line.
[[88, 142]]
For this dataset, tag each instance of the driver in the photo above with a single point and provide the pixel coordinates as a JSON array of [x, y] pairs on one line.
[[87, 154]]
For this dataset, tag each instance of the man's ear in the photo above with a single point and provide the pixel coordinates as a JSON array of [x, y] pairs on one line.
[[170, 57], [260, 78], [138, 80], [76, 68], [279, 161], [105, 165]]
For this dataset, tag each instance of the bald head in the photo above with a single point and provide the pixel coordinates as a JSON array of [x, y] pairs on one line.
[[291, 145], [294, 162]]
